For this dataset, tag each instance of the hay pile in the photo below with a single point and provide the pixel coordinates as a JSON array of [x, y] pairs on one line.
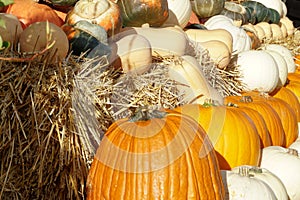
[[53, 116]]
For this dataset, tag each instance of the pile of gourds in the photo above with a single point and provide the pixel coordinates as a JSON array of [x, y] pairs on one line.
[[231, 146]]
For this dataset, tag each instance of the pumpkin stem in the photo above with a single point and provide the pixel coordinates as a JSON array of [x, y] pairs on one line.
[[293, 152], [210, 102], [145, 113], [248, 171], [246, 99]]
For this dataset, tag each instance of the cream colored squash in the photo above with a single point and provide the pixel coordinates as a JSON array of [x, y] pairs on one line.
[[193, 84], [288, 24], [285, 164], [163, 40], [218, 52], [199, 35], [286, 54], [260, 33], [250, 27], [258, 70], [249, 174], [267, 29], [282, 67], [284, 9], [12, 28], [283, 30], [217, 19], [131, 53], [180, 12], [276, 32], [241, 185]]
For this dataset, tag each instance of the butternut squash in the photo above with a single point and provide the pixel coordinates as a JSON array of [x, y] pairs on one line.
[[199, 35], [218, 52]]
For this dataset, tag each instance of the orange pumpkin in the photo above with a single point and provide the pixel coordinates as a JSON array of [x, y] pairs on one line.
[[155, 154], [232, 132], [294, 86], [261, 126], [29, 12], [290, 97], [286, 113], [270, 116], [293, 76], [297, 62]]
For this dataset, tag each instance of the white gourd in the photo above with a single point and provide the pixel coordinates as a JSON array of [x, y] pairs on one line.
[[282, 67], [285, 164], [258, 71], [180, 12], [267, 177], [240, 185], [286, 54]]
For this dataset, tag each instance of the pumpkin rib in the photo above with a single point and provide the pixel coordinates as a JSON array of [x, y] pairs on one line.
[[162, 132], [270, 116]]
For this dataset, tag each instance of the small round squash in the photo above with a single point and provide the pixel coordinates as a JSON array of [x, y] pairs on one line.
[[12, 29], [39, 35]]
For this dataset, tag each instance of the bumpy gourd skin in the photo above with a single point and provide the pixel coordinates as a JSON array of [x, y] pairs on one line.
[[207, 8], [165, 157]]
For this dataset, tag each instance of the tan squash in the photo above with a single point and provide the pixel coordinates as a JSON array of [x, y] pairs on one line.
[[218, 52], [160, 38], [199, 35]]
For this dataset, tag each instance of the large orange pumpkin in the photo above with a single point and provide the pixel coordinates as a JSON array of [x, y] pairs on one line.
[[285, 112], [155, 154], [270, 116], [232, 132]]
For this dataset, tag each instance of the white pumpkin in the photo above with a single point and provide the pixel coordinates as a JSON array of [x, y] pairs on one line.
[[285, 164], [216, 19], [265, 176], [180, 12], [282, 67], [296, 145], [241, 185], [258, 70], [283, 30], [286, 54]]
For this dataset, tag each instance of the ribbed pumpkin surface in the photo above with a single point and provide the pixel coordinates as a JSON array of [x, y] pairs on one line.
[[260, 124], [231, 131], [270, 116], [294, 86], [285, 112], [290, 97], [158, 158]]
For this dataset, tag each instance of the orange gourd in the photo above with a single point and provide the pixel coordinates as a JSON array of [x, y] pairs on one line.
[[270, 116], [232, 132], [155, 154], [285, 112], [293, 76], [29, 12]]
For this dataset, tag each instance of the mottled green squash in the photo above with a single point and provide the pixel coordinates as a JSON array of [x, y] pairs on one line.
[[273, 16], [259, 10]]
